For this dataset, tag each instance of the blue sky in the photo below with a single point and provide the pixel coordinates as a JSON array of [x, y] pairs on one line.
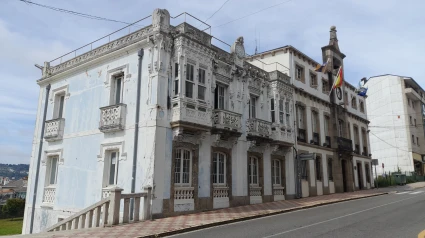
[[378, 37]]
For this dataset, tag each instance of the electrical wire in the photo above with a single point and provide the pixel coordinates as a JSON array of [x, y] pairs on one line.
[[74, 12], [217, 10], [388, 143]]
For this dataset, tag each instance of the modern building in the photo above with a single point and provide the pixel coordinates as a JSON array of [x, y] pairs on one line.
[[209, 129], [397, 123], [333, 125]]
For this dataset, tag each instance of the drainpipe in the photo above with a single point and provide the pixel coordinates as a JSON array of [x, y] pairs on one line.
[[39, 157], [136, 131]]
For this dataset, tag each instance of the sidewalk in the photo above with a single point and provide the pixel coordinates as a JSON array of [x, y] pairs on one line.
[[178, 224], [416, 185]]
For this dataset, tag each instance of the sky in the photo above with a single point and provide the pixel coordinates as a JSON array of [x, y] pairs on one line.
[[377, 37]]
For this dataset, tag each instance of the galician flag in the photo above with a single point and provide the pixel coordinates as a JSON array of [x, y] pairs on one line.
[[339, 79]]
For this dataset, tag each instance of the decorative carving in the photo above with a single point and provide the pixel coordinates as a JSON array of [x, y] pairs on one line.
[[227, 143]]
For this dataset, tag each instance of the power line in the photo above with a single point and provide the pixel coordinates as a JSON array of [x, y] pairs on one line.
[[74, 13], [253, 13], [217, 10], [388, 143]]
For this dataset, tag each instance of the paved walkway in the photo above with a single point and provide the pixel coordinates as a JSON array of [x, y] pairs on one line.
[[172, 225], [415, 185]]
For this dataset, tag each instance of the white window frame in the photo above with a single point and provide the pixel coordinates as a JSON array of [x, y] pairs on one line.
[[216, 165], [50, 169], [114, 91], [281, 112], [276, 172], [107, 168], [221, 99], [253, 167], [253, 106], [288, 115], [298, 72], [176, 81], [190, 79], [201, 83], [272, 110], [181, 171], [313, 80], [59, 105]]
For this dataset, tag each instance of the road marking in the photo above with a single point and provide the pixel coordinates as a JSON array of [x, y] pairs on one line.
[[417, 192], [402, 193], [336, 218]]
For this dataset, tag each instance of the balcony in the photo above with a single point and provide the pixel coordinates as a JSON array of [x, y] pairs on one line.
[[226, 122], [301, 135], [344, 144], [54, 129], [49, 195], [316, 138], [282, 135], [112, 118], [328, 141], [357, 149], [190, 115], [412, 94], [258, 129]]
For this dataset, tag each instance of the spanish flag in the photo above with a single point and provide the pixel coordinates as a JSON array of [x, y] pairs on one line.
[[339, 79], [322, 68]]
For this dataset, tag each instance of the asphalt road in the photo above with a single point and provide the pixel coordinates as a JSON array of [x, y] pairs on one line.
[[394, 215]]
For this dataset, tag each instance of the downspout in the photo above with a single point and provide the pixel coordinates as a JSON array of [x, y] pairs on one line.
[[136, 131], [39, 157]]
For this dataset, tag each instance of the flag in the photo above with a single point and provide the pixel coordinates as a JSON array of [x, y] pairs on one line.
[[339, 79], [362, 92], [322, 68], [362, 89]]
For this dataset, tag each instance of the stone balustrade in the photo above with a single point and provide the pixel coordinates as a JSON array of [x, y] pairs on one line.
[[258, 127], [184, 112], [112, 118], [49, 195], [223, 119], [54, 129], [255, 191], [183, 193], [221, 192]]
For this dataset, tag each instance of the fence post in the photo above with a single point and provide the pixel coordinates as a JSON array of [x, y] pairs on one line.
[[114, 206], [147, 205]]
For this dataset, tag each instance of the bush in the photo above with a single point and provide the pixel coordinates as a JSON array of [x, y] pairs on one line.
[[14, 207]]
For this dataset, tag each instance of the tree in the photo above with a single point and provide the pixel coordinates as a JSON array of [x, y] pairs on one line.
[[14, 207]]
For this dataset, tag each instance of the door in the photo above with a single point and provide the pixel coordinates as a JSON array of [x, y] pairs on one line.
[[359, 175], [344, 175]]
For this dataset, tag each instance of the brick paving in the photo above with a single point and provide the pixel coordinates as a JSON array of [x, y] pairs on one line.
[[170, 225]]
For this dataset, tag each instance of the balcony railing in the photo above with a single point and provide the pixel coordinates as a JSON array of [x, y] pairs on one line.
[[257, 127], [49, 195], [54, 129], [282, 134], [226, 120], [344, 144], [184, 112], [301, 135], [112, 118]]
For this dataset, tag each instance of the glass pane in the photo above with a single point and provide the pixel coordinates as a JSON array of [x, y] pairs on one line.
[[189, 89], [215, 168], [250, 171], [201, 76], [176, 86], [177, 166], [253, 112], [255, 170], [221, 168], [176, 70], [273, 172], [53, 168], [61, 102], [118, 90], [201, 92], [112, 167], [186, 166], [281, 118]]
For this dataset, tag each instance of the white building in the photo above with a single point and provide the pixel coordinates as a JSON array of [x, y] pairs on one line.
[[397, 123], [214, 130]]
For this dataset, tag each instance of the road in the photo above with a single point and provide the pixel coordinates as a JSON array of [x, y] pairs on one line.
[[401, 214]]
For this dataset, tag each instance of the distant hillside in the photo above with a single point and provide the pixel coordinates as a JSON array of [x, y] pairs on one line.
[[14, 170]]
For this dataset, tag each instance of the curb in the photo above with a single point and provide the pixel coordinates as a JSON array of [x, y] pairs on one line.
[[203, 226]]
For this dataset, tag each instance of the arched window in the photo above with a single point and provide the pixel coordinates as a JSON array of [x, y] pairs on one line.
[[253, 170], [219, 168], [276, 172], [318, 168], [183, 166]]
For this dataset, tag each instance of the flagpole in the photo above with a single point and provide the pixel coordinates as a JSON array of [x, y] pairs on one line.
[[334, 82]]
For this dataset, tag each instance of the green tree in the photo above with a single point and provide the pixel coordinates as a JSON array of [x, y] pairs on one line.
[[14, 207]]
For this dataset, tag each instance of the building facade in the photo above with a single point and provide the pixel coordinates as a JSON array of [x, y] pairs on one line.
[[397, 123], [215, 129], [332, 125]]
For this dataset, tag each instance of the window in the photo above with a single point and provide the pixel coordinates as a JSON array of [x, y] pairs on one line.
[[340, 128], [361, 106], [112, 167], [417, 141], [116, 97], [346, 98], [276, 172], [281, 112], [353, 102], [367, 173], [313, 80], [326, 126], [288, 122], [183, 166], [253, 170], [325, 86], [219, 97], [252, 107], [356, 135], [201, 86], [413, 139], [176, 79], [330, 170], [299, 73], [300, 117], [189, 80], [272, 111], [219, 168], [349, 130], [315, 122], [52, 171], [59, 104], [318, 168], [410, 119]]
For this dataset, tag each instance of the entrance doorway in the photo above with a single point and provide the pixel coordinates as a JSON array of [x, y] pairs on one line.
[[359, 175], [344, 175]]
